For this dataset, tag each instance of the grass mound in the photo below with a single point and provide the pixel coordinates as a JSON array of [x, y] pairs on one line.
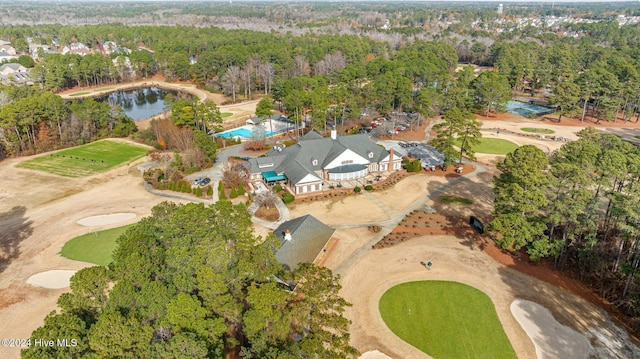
[[544, 131], [86, 160], [226, 114], [454, 199], [492, 146], [95, 247], [445, 320]]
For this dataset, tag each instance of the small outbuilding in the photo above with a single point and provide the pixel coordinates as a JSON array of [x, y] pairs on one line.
[[303, 239]]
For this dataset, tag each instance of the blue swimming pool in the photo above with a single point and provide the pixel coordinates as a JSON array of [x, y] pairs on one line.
[[242, 132], [527, 109]]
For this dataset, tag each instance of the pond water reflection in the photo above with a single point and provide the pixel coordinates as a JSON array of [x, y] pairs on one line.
[[139, 103]]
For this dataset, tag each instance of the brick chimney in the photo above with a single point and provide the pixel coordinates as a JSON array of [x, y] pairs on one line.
[[287, 235], [390, 159]]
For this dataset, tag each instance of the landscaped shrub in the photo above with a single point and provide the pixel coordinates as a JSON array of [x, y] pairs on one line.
[[241, 190], [368, 187], [233, 193], [198, 192], [222, 195], [413, 166], [277, 188], [357, 189], [288, 198], [209, 191]]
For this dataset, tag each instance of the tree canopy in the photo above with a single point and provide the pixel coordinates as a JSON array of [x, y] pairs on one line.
[[195, 282]]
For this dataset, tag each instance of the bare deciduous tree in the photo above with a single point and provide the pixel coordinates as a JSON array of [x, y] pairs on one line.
[[267, 199], [300, 66], [330, 63], [233, 175], [231, 80], [266, 72]]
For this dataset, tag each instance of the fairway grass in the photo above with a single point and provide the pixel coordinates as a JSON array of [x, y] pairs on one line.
[[544, 131], [94, 247], [454, 199], [86, 160], [445, 320], [493, 146]]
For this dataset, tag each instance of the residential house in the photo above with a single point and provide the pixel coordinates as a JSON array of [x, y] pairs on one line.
[[4, 56], [35, 50], [76, 48], [314, 160], [8, 49], [303, 240], [14, 73]]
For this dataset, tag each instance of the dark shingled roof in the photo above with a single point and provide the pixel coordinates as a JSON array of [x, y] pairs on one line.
[[308, 237], [297, 161]]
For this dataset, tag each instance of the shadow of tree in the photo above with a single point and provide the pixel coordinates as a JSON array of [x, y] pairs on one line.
[[15, 228]]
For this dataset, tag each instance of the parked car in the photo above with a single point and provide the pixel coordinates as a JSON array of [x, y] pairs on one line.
[[196, 182], [205, 181]]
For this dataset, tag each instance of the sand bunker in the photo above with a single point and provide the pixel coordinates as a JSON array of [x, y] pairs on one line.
[[53, 279], [105, 219], [374, 354], [551, 339]]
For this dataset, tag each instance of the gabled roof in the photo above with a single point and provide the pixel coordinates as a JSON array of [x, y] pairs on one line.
[[313, 152], [308, 237], [311, 135], [12, 66]]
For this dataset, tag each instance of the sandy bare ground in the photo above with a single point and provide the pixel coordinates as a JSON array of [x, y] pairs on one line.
[[367, 273], [550, 338], [52, 279], [105, 219], [37, 220], [342, 211]]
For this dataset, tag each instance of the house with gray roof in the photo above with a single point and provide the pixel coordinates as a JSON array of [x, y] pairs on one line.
[[315, 159], [303, 239], [14, 73]]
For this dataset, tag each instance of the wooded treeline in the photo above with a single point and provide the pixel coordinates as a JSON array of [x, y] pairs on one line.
[[195, 282], [35, 121], [580, 206]]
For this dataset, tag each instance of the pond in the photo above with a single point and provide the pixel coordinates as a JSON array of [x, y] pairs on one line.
[[140, 103]]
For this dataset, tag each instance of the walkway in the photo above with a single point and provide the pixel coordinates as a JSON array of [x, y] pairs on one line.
[[389, 225], [216, 175]]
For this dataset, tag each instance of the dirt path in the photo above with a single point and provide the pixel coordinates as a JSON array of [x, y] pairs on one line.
[[240, 112], [155, 81]]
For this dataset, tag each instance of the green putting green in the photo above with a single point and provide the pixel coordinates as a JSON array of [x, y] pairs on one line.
[[226, 114], [445, 320], [492, 146], [544, 131], [95, 247], [86, 160], [454, 199]]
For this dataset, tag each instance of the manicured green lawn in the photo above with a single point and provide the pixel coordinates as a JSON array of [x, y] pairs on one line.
[[544, 131], [454, 199], [226, 114], [446, 320], [86, 160], [79, 93], [95, 247], [493, 146]]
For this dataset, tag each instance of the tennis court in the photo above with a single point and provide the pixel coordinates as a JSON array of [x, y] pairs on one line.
[[527, 109]]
